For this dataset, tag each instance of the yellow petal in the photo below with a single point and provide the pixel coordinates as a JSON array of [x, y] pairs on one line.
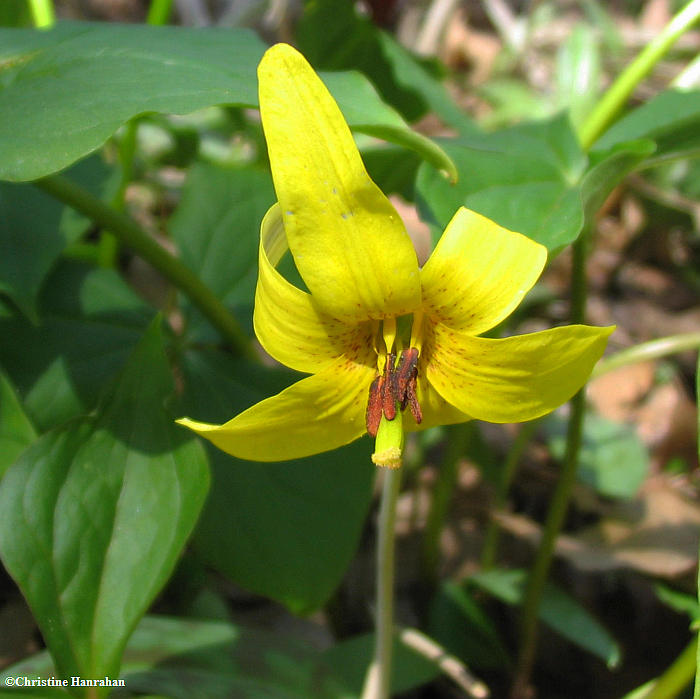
[[287, 322], [318, 413], [436, 410], [348, 242], [516, 378], [479, 273]]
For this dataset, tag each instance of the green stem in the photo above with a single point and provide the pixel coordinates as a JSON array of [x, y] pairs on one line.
[[43, 14], [493, 529], [619, 92], [131, 235], [676, 677], [378, 679], [458, 437], [159, 12], [654, 349], [560, 500]]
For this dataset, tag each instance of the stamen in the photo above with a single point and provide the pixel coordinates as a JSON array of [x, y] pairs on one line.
[[388, 395], [417, 331], [373, 416], [389, 331]]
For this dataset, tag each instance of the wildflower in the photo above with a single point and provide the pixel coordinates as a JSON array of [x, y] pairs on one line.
[[390, 347]]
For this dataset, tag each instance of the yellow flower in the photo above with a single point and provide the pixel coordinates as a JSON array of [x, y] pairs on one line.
[[384, 340]]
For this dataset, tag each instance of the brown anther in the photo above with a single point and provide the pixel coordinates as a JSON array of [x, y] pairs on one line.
[[373, 416], [406, 371], [412, 399], [388, 396], [396, 385]]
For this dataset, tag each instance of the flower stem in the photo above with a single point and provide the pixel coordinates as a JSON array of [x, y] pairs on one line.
[[159, 11], [560, 500], [131, 235], [378, 679], [43, 14], [619, 92], [493, 529], [654, 349]]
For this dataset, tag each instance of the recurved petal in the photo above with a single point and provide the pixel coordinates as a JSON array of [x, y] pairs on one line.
[[287, 321], [517, 378], [318, 413], [479, 273], [348, 242]]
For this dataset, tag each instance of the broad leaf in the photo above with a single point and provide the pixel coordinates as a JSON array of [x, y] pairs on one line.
[[558, 610], [92, 78], [613, 460], [461, 624], [34, 230], [96, 513], [532, 178], [523, 178], [671, 120], [16, 430], [335, 37], [285, 530], [217, 228], [90, 321], [193, 659]]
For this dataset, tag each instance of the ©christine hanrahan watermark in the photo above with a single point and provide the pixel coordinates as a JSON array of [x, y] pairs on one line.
[[24, 681]]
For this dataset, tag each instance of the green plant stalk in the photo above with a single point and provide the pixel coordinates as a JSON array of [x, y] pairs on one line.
[[378, 679], [560, 500], [493, 529], [458, 437], [618, 93], [696, 692], [654, 349], [132, 236], [43, 14], [676, 677], [159, 12], [108, 247]]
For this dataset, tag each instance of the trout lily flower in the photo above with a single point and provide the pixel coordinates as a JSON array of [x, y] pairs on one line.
[[390, 347]]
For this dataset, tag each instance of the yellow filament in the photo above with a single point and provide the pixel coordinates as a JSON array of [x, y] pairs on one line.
[[417, 331]]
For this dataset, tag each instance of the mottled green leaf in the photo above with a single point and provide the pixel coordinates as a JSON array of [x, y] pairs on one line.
[[90, 321], [92, 78], [16, 430], [285, 530], [558, 610], [96, 513]]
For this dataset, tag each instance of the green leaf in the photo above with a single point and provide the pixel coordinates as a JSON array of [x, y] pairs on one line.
[[578, 73], [92, 78], [532, 178], [335, 37], [194, 659], [460, 624], [607, 170], [559, 611], [524, 178], [96, 513], [349, 659], [91, 320], [679, 601], [16, 430], [216, 227], [671, 120], [612, 459], [34, 230], [284, 530]]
